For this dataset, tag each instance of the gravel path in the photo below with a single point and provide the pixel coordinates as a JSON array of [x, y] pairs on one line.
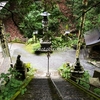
[[57, 58]]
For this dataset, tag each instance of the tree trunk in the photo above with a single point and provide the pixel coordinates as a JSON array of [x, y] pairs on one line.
[[80, 33]]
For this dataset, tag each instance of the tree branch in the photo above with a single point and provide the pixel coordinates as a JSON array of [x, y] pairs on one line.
[[95, 5], [12, 15]]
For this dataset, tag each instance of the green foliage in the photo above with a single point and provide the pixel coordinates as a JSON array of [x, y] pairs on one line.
[[13, 86], [91, 20], [32, 47], [27, 65], [56, 12], [30, 68], [53, 24], [92, 13], [30, 41], [36, 46], [71, 40], [56, 19], [9, 85], [84, 81], [63, 41], [29, 18], [65, 70], [97, 91], [57, 42], [23, 91], [16, 40], [31, 21]]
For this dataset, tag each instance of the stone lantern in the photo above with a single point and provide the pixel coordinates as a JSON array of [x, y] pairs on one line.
[[45, 25], [46, 44]]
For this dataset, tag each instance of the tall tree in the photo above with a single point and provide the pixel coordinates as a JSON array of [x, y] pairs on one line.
[[92, 13], [80, 32]]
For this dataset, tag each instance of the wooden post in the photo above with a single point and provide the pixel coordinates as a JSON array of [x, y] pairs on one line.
[[80, 33], [4, 45]]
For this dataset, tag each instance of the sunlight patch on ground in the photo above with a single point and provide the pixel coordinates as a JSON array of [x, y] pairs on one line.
[[29, 48], [32, 47]]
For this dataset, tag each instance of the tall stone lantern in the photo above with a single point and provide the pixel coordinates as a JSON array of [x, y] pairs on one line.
[[46, 44]]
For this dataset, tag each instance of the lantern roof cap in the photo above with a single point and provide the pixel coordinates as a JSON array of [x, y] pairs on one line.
[[2, 4], [45, 14]]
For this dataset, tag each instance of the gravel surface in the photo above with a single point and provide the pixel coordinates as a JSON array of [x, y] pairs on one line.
[[57, 58]]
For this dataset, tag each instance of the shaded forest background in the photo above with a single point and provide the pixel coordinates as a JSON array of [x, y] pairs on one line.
[[23, 17]]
